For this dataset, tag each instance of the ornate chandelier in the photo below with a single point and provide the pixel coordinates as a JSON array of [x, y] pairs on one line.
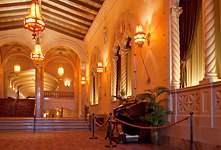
[[37, 56], [34, 21]]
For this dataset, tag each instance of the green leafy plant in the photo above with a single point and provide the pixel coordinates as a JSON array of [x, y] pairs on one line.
[[154, 111]]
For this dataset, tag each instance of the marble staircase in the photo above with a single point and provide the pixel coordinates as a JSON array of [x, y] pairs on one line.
[[42, 124]]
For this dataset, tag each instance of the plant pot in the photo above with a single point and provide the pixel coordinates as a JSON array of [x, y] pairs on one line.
[[155, 137]]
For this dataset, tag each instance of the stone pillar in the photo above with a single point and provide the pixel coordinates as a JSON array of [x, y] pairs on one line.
[[99, 91], [123, 53], [82, 90], [114, 76], [39, 91], [208, 10], [175, 40], [1, 81]]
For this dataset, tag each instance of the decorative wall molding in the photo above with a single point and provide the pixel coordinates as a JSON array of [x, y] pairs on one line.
[[203, 100], [218, 101]]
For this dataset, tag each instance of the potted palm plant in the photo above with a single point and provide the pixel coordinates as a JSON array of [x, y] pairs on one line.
[[155, 112]]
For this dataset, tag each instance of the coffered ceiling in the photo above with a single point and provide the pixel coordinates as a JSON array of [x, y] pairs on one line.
[[69, 17]]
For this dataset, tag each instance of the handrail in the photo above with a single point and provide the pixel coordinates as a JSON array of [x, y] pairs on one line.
[[58, 94]]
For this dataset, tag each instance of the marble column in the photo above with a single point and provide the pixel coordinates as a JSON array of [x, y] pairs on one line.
[[175, 43], [39, 91], [208, 10], [123, 53], [114, 76], [1, 81]]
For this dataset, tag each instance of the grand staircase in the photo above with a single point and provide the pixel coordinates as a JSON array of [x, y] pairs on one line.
[[42, 124]]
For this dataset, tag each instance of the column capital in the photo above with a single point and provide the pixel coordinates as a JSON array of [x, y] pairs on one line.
[[115, 58], [176, 11], [123, 51]]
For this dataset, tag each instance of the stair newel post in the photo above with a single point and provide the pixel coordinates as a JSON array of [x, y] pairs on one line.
[[93, 123], [34, 118], [110, 132]]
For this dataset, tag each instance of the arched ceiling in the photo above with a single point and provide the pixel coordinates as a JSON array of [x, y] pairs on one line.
[[24, 81], [62, 52], [14, 53], [69, 17]]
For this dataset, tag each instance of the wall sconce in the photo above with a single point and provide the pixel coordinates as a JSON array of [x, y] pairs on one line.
[[17, 68], [60, 71], [10, 84], [83, 80], [99, 67], [140, 36], [67, 83]]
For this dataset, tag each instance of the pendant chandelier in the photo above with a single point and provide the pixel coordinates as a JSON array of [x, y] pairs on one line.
[[60, 72], [37, 56], [34, 21]]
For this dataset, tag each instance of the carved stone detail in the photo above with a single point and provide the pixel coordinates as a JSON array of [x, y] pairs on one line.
[[176, 11], [209, 35], [188, 103], [218, 101]]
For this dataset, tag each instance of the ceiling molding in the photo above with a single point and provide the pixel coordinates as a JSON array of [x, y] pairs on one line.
[[69, 17], [104, 10]]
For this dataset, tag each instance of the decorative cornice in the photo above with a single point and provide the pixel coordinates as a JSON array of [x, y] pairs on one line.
[[104, 10]]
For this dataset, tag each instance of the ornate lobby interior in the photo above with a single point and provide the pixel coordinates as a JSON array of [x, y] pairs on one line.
[[66, 66]]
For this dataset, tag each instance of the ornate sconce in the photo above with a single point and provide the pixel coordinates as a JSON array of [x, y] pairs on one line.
[[67, 83], [140, 36], [83, 80], [99, 67]]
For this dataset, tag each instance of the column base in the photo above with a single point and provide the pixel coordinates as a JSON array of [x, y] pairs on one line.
[[175, 85]]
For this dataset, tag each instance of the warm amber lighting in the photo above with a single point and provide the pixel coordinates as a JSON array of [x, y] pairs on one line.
[[67, 83], [37, 55], [10, 84], [34, 21], [17, 68], [83, 80], [99, 67], [60, 71], [140, 36]]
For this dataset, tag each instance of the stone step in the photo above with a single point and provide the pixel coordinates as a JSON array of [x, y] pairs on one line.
[[12, 124]]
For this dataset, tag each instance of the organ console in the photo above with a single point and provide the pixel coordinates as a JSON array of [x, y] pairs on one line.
[[130, 112]]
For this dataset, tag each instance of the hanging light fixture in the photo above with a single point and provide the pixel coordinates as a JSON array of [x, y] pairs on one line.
[[34, 21], [37, 56], [17, 68], [60, 71]]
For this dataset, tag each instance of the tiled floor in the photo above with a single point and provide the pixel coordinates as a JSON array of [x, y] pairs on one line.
[[68, 140]]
